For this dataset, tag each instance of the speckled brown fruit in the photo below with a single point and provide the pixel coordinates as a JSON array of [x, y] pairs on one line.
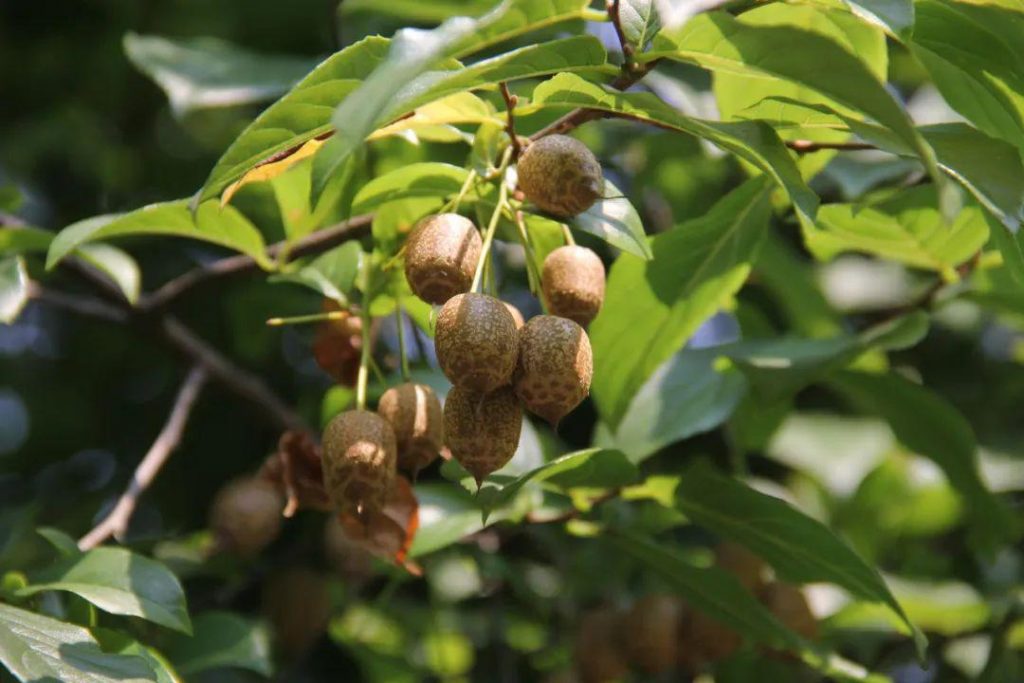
[[743, 564], [482, 430], [349, 559], [297, 604], [599, 652], [704, 641], [517, 316], [415, 414], [790, 606], [573, 283], [246, 515], [555, 366], [651, 632], [441, 256], [359, 461], [477, 342], [560, 175]]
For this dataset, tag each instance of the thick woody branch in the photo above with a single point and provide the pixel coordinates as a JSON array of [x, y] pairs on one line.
[[116, 522]]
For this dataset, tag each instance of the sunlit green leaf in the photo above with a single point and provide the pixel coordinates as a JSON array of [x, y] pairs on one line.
[[220, 640], [427, 179], [615, 220], [13, 288]]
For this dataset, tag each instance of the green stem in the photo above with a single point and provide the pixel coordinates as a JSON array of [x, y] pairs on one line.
[[567, 233], [364, 359], [402, 353], [311, 318], [485, 250], [453, 205], [531, 260]]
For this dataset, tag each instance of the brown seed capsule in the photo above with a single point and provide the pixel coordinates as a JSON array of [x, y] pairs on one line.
[[599, 652], [789, 606], [704, 640], [573, 283], [359, 461], [415, 414], [246, 515], [345, 556], [477, 342], [482, 430], [555, 366], [517, 316], [651, 632], [441, 256], [297, 603], [560, 175], [741, 563]]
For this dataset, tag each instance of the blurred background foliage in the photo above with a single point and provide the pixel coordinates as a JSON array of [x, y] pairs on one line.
[[84, 131]]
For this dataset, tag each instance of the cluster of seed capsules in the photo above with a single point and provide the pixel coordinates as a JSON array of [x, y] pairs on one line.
[[661, 633], [498, 363]]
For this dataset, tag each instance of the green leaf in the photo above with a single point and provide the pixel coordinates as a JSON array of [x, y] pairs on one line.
[[416, 11], [414, 52], [800, 548], [118, 642], [615, 221], [305, 112], [220, 640], [116, 264], [38, 648], [206, 72], [23, 240], [777, 368], [224, 226], [975, 56], [447, 514], [905, 227], [687, 395], [591, 468], [652, 307], [63, 543], [1011, 246], [13, 288], [926, 424], [753, 141], [712, 591], [427, 179], [720, 42], [896, 16], [791, 280], [120, 582], [332, 274], [640, 21]]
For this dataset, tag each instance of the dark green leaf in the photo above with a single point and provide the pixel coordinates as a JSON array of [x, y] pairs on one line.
[[206, 72], [118, 642], [926, 424], [1011, 246], [800, 548], [13, 288], [64, 544], [225, 226], [975, 56], [119, 582], [427, 179], [755, 142], [219, 640], [616, 221], [687, 395], [332, 274], [417, 11], [652, 307], [640, 21], [37, 648]]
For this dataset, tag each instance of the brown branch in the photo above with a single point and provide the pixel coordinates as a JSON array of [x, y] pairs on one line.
[[510, 126], [84, 305], [808, 146], [116, 522], [319, 241], [236, 379], [616, 18]]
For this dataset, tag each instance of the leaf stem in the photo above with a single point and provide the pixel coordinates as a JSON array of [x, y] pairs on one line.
[[311, 318], [402, 352]]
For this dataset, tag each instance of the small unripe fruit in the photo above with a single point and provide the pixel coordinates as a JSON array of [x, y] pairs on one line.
[[741, 563], [359, 461], [560, 175], [338, 344], [297, 603], [573, 283], [246, 515], [482, 430], [651, 632], [441, 257], [598, 653], [415, 414], [477, 342], [555, 366], [517, 316], [789, 606]]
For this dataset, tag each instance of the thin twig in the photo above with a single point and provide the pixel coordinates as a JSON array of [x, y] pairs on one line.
[[319, 241], [85, 305], [510, 125], [116, 522], [808, 146], [614, 15]]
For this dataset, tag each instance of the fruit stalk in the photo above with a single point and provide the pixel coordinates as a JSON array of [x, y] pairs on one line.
[[532, 274], [364, 358], [311, 318], [485, 250], [402, 353]]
